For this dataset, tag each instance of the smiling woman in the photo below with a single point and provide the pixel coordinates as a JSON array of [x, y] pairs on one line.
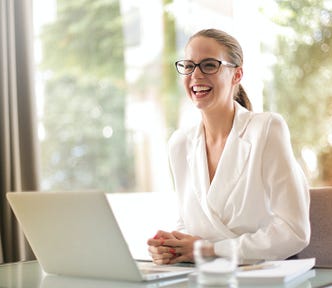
[[234, 171]]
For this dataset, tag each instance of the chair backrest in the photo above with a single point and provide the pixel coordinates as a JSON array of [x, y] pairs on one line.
[[320, 245]]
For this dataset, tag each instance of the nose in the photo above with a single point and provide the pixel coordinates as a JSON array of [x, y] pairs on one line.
[[197, 73]]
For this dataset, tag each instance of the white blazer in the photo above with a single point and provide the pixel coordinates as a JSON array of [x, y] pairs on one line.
[[258, 195]]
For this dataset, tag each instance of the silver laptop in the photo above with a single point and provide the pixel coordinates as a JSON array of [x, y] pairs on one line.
[[76, 234]]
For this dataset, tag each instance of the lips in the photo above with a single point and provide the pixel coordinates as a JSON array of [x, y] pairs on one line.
[[201, 90]]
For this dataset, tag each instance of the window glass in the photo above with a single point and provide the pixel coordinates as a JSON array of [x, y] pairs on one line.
[[109, 96], [299, 85]]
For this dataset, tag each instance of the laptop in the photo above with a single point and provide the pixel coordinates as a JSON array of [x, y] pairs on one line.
[[76, 234]]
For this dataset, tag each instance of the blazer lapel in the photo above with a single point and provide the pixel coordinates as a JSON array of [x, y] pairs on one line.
[[212, 197], [201, 185], [232, 163]]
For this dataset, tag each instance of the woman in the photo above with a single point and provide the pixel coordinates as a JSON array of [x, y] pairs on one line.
[[235, 174]]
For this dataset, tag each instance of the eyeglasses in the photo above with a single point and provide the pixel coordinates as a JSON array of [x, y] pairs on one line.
[[207, 66]]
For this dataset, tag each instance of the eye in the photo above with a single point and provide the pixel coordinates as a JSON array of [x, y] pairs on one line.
[[210, 65], [188, 66]]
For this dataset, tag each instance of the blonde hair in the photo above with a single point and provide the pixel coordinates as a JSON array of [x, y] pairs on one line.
[[235, 55]]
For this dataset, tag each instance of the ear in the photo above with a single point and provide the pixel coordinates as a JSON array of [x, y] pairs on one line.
[[237, 75]]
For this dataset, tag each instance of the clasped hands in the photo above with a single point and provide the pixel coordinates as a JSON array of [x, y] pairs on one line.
[[171, 247]]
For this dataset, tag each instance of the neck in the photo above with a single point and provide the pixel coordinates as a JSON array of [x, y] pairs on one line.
[[218, 124]]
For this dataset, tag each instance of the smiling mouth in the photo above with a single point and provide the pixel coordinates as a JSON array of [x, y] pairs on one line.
[[201, 90]]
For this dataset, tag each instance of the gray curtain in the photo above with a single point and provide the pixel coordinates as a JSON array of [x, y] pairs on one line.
[[18, 141]]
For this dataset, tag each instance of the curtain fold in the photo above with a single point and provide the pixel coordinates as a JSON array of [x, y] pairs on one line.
[[18, 138]]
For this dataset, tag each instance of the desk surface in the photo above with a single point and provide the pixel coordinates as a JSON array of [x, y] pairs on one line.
[[30, 274]]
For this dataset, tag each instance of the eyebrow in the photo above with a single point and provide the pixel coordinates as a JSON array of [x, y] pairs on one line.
[[204, 59]]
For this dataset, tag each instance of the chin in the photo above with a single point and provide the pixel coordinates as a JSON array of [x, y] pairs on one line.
[[199, 105]]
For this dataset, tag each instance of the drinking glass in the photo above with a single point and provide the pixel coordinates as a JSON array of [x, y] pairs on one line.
[[217, 270]]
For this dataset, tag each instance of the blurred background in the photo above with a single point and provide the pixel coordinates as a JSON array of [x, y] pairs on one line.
[[108, 95]]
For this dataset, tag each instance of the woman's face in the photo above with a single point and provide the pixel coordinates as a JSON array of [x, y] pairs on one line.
[[210, 91]]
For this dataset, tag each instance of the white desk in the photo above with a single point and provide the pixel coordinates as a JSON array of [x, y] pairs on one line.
[[30, 275]]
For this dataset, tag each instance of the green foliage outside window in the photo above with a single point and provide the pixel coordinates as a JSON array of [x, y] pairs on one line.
[[86, 144], [302, 89]]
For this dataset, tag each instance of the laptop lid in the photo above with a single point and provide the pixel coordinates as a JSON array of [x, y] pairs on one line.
[[76, 234]]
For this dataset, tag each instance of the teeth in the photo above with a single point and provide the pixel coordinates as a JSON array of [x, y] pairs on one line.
[[200, 88]]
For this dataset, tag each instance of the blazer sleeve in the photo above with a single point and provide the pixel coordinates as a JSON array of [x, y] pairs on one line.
[[287, 193]]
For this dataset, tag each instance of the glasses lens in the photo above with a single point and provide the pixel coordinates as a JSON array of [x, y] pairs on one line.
[[185, 67], [209, 66]]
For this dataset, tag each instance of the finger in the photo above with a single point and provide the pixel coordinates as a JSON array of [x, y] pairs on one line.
[[157, 256], [156, 242], [163, 255], [179, 235], [162, 261], [162, 258], [172, 243], [163, 234], [159, 238], [172, 252], [164, 251], [153, 249]]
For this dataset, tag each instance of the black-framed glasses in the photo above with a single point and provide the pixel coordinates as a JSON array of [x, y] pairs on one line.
[[207, 66]]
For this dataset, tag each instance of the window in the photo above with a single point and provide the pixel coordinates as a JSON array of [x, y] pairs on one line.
[[299, 86], [109, 97]]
